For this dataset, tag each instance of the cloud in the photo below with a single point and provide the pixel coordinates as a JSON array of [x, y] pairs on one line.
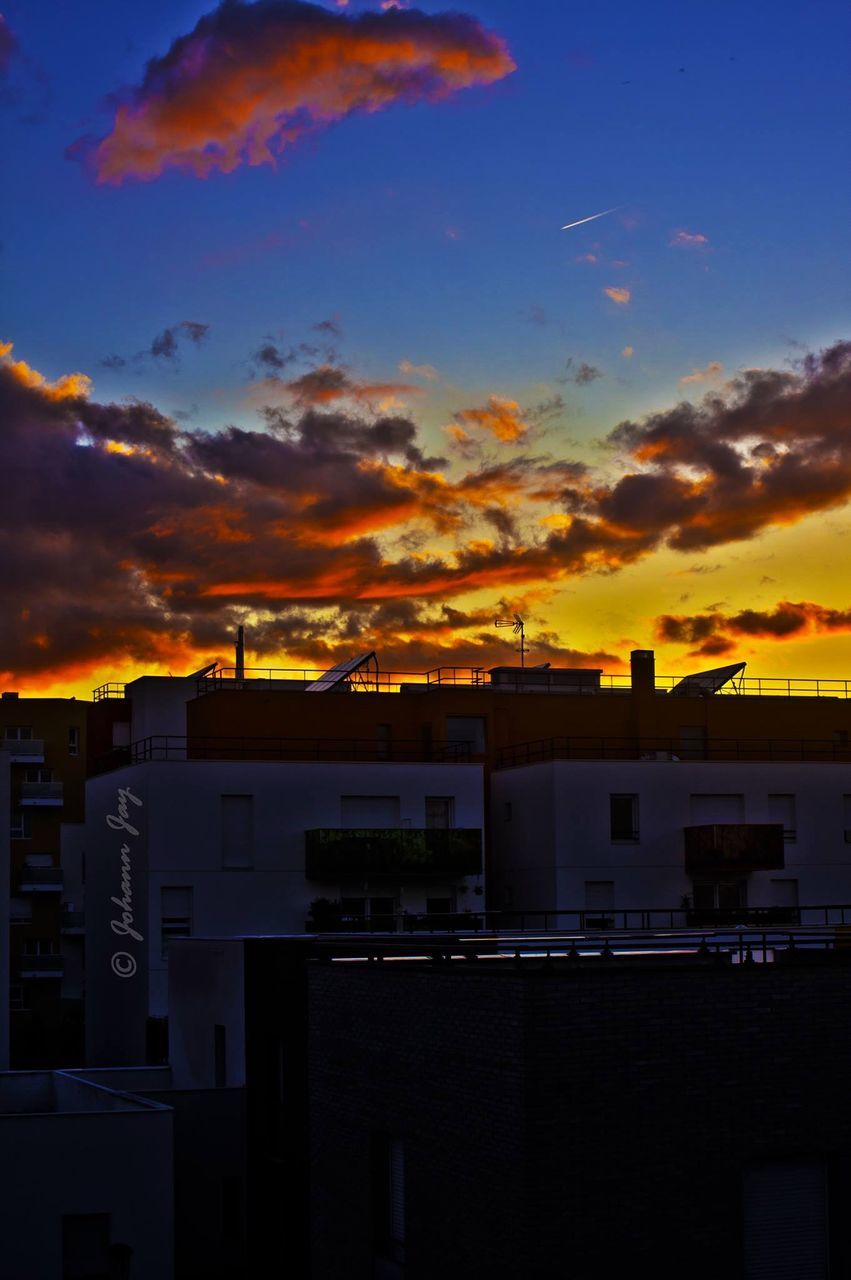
[[582, 374], [129, 537], [591, 258], [165, 345], [712, 371], [619, 295], [628, 352], [8, 45], [426, 371], [332, 382], [714, 632], [681, 239], [500, 418], [250, 80], [331, 326]]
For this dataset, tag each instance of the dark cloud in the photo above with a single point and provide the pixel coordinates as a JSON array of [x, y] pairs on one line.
[[581, 374], [715, 632], [165, 345], [331, 326]]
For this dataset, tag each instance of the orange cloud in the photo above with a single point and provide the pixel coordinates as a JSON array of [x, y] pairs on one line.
[[500, 417], [251, 79], [689, 240], [712, 371], [619, 295], [426, 371], [71, 386]]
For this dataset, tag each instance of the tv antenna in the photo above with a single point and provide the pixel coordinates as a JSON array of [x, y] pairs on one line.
[[518, 627]]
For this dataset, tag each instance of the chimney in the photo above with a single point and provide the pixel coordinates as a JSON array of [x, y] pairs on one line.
[[240, 653], [642, 664]]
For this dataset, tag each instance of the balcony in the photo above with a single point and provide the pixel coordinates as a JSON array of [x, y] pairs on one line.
[[73, 922], [20, 910], [40, 880], [24, 750], [44, 794], [51, 966], [734, 846], [398, 853]]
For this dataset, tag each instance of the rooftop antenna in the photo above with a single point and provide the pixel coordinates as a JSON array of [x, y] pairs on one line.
[[517, 625], [240, 653]]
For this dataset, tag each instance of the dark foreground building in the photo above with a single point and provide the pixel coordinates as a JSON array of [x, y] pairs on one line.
[[581, 1118]]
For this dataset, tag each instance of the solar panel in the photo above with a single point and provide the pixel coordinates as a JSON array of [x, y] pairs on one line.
[[707, 682], [342, 672], [205, 671]]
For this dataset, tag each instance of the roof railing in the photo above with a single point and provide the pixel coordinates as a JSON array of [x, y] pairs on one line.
[[672, 749]]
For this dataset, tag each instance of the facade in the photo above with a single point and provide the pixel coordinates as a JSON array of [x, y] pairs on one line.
[[587, 1118], [5, 906], [612, 836], [46, 742], [178, 847], [89, 1189]]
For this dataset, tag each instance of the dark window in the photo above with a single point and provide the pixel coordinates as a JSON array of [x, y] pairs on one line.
[[382, 741], [439, 811], [623, 812], [73, 741], [176, 915], [85, 1246], [469, 729], [388, 1197], [20, 827], [220, 1056]]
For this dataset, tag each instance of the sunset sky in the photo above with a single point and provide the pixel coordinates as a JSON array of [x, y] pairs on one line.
[[292, 337]]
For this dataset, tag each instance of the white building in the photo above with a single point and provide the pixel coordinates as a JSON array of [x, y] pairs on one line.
[[198, 847], [607, 836], [88, 1186]]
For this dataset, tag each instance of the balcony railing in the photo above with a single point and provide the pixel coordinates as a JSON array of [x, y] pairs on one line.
[[42, 966], [40, 880], [400, 853], [20, 910], [110, 690], [24, 750], [171, 748], [540, 680], [73, 921], [734, 846], [672, 749], [42, 793]]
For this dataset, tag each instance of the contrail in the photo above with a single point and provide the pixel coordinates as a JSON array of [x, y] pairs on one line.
[[591, 219]]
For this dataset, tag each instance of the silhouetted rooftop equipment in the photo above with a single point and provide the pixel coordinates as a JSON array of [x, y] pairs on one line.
[[519, 628], [360, 672], [205, 671], [709, 682]]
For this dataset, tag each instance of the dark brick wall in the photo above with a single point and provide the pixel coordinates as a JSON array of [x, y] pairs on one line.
[[586, 1120]]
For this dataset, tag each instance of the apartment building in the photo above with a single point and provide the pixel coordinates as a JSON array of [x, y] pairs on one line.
[[183, 846], [45, 739]]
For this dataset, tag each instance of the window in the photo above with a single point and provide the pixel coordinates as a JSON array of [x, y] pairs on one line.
[[20, 827], [623, 817], [237, 815], [85, 1246], [786, 1220], [16, 996], [714, 895], [468, 729], [220, 1065], [507, 812], [784, 893], [18, 733], [599, 904], [40, 947], [846, 817], [781, 810], [709, 810], [439, 811], [175, 915], [73, 740], [121, 733], [367, 812], [44, 774], [388, 1197]]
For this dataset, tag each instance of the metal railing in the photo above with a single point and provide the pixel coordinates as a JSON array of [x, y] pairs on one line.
[[24, 750], [586, 920], [708, 946], [110, 690], [40, 878], [42, 793], [672, 749], [479, 677], [177, 747]]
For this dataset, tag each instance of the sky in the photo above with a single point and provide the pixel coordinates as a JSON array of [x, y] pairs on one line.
[[292, 336]]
